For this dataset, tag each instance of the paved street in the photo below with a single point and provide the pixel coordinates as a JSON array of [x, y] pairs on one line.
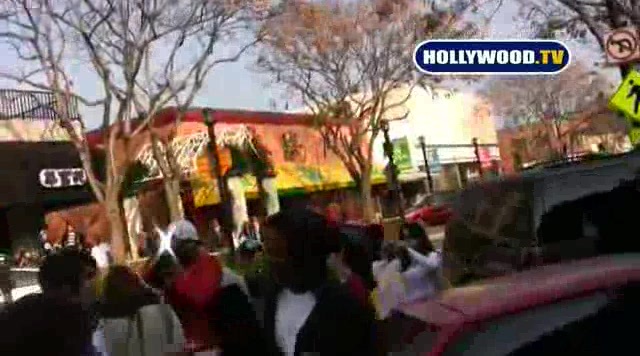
[[25, 281], [436, 235]]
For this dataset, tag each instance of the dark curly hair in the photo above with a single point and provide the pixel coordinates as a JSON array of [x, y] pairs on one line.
[[309, 239], [66, 269], [125, 293], [309, 235]]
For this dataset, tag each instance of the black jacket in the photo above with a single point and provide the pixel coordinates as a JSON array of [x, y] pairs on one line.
[[338, 324], [235, 325]]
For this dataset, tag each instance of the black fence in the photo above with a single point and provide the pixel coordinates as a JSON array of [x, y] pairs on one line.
[[572, 160], [33, 105]]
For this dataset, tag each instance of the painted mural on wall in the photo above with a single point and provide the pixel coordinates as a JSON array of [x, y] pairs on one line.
[[294, 157]]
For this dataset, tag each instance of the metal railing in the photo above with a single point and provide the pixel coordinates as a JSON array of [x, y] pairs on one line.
[[33, 105]]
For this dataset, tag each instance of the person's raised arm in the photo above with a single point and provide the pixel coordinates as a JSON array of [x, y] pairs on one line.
[[431, 261]]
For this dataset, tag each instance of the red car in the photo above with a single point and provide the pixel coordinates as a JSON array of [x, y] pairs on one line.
[[584, 307], [434, 210]]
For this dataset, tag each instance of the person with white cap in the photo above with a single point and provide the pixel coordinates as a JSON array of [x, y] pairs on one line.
[[196, 285]]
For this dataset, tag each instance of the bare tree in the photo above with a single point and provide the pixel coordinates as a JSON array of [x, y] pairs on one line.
[[350, 64], [143, 54], [581, 19], [162, 145], [163, 153], [550, 100]]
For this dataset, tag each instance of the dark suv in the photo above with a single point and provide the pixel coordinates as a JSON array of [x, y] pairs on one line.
[[546, 215]]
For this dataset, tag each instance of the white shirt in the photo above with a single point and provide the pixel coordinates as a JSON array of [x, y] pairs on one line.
[[71, 239], [378, 268], [391, 290], [101, 254], [43, 235], [419, 281], [291, 314], [230, 277], [99, 342]]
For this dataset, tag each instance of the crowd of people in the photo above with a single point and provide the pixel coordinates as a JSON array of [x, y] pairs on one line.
[[319, 292]]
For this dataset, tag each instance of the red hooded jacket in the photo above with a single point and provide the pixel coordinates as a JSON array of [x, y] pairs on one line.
[[191, 296]]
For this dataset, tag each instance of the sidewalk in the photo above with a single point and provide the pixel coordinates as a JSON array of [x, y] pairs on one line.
[[20, 292], [26, 282], [436, 235]]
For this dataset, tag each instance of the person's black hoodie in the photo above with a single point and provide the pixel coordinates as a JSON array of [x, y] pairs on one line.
[[235, 325]]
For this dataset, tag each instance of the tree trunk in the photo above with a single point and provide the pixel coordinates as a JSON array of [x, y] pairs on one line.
[[118, 230], [131, 208], [238, 204], [269, 195], [172, 195], [366, 197], [168, 166]]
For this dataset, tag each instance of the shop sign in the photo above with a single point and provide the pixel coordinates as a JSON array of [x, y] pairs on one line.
[[434, 161], [63, 178], [485, 158], [621, 45], [402, 154]]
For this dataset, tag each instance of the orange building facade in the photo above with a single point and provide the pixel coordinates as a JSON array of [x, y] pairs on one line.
[[592, 129], [302, 167]]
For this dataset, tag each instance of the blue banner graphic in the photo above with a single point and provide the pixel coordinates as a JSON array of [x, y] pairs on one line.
[[528, 57]]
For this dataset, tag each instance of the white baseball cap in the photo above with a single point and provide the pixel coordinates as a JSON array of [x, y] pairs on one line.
[[184, 230]]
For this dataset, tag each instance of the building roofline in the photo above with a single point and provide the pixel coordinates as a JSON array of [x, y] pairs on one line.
[[227, 116]]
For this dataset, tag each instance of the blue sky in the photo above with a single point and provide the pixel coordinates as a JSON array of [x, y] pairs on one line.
[[237, 86]]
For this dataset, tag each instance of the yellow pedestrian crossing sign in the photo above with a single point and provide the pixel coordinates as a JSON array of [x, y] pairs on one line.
[[634, 135], [627, 98]]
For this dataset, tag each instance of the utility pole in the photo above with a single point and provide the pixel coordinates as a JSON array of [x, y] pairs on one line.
[[216, 172], [394, 183], [423, 148]]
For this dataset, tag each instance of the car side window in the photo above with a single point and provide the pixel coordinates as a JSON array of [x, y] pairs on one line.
[[568, 198], [466, 204], [507, 335], [601, 333], [515, 219]]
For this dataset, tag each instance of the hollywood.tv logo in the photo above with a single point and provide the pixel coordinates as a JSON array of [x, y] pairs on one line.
[[483, 57]]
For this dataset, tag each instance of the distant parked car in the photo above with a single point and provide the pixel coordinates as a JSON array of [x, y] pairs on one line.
[[582, 307], [433, 210]]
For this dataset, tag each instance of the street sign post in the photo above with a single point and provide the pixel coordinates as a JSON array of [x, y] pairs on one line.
[[622, 45], [402, 154]]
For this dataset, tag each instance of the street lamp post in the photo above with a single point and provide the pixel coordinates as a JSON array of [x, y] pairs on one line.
[[423, 148], [394, 183], [476, 151], [216, 172]]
